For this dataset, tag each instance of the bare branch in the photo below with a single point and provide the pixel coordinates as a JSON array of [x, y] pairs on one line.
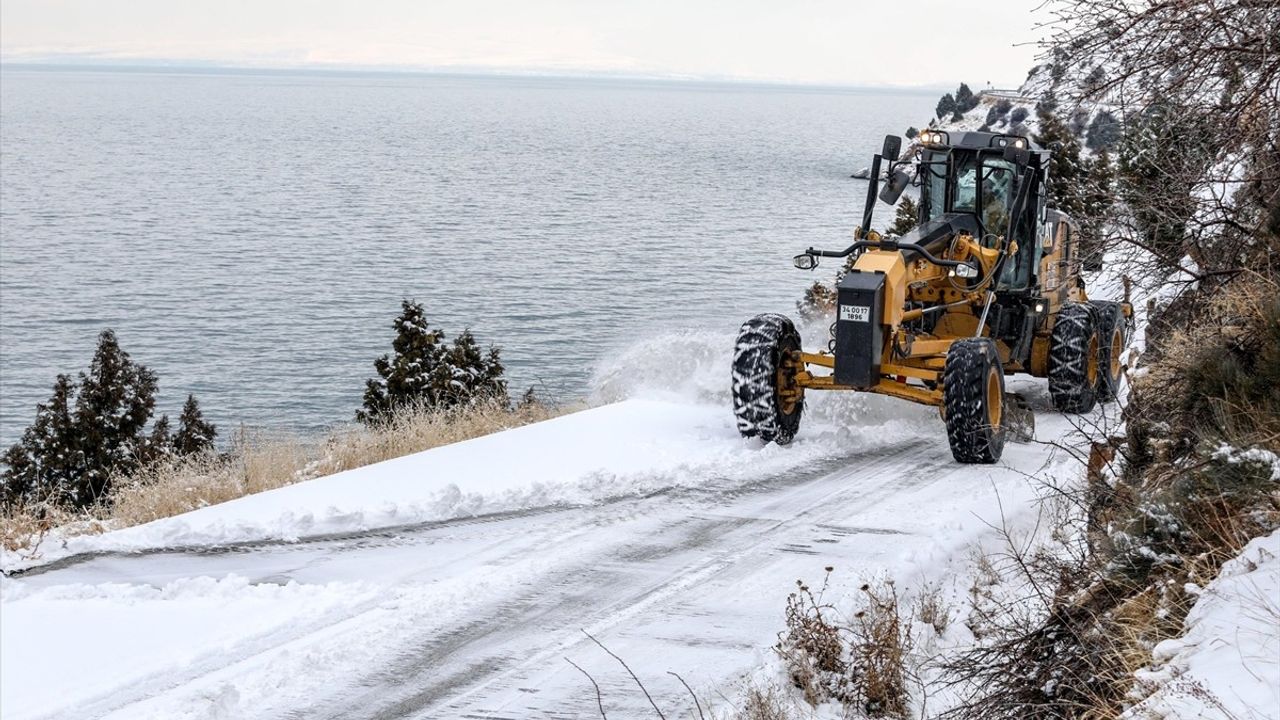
[[621, 662]]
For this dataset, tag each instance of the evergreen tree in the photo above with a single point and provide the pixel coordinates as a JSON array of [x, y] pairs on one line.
[[47, 459], [1162, 151], [905, 218], [1104, 131], [1065, 171], [114, 404], [86, 434], [1098, 194], [1079, 120], [159, 444], [946, 106], [473, 374], [195, 434], [406, 375], [424, 371], [1048, 103], [1080, 187], [965, 101]]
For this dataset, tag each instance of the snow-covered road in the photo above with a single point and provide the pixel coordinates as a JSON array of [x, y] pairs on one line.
[[475, 617]]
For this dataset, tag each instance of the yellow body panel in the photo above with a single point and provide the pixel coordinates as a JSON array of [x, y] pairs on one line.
[[891, 264]]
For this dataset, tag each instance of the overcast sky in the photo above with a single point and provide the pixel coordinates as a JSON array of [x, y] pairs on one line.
[[848, 42]]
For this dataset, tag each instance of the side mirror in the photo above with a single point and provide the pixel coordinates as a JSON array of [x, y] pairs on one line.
[[805, 261], [892, 148], [898, 181]]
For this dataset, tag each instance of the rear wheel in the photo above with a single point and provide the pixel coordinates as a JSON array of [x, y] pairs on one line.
[[1073, 359], [766, 400], [973, 401], [1112, 336]]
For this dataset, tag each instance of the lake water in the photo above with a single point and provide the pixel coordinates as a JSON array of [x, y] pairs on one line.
[[249, 236]]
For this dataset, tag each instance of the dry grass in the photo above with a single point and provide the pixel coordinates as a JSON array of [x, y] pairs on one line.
[[932, 609], [415, 429], [813, 646], [763, 705], [257, 462], [881, 644], [28, 525], [861, 662]]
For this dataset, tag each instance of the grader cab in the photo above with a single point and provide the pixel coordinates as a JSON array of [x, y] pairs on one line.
[[988, 284]]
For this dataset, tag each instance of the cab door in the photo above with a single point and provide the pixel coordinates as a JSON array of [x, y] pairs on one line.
[[1056, 278]]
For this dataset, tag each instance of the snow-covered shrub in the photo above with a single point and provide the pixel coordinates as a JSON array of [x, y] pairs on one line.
[[424, 371], [812, 647], [762, 704], [997, 112], [880, 647], [860, 662], [932, 609]]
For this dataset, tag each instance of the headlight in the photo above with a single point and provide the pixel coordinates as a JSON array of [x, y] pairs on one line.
[[966, 270]]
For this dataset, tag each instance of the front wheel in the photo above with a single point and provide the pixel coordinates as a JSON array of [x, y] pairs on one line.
[[766, 400], [973, 401]]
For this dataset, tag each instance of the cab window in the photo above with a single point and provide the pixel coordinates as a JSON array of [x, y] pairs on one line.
[[964, 196], [934, 191], [997, 182]]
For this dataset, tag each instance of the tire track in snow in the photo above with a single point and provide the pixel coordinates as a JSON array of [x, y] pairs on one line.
[[527, 633]]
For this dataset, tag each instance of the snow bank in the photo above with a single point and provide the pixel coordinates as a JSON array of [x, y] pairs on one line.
[[1228, 662], [630, 448]]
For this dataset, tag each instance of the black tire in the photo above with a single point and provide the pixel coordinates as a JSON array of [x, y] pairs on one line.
[[760, 352], [1073, 359], [1113, 336], [973, 401]]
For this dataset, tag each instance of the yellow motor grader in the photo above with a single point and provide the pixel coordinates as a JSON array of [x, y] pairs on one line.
[[988, 284]]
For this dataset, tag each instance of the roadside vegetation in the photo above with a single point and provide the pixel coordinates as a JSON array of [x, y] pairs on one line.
[[91, 463]]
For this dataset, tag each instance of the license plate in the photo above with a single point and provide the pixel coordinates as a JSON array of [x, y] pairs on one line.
[[855, 313]]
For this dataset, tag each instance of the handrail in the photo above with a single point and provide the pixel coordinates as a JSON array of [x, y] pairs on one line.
[[891, 245]]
